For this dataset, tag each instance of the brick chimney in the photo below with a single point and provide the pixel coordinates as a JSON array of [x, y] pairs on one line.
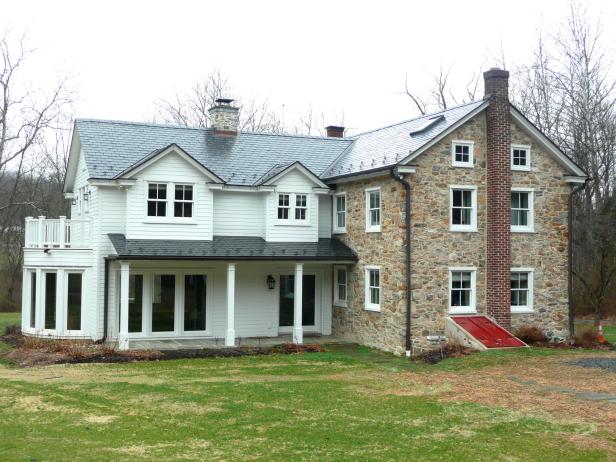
[[498, 242], [334, 132], [224, 118]]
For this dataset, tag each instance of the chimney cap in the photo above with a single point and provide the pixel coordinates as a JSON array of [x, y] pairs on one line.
[[495, 73], [335, 131], [224, 100]]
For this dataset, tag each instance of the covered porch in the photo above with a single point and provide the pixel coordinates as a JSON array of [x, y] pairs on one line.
[[183, 294]]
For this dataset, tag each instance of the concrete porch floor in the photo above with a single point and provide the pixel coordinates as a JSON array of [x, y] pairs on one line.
[[197, 344]]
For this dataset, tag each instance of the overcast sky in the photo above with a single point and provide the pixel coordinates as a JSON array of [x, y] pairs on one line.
[[346, 58]]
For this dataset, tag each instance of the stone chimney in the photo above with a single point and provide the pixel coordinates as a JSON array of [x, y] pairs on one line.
[[334, 131], [224, 118], [498, 242]]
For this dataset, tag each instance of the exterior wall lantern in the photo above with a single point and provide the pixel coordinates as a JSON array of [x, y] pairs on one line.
[[271, 282]]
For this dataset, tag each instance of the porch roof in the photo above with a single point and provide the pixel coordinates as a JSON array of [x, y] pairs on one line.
[[230, 248]]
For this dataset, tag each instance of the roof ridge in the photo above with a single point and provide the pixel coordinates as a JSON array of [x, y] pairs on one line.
[[187, 127], [432, 114]]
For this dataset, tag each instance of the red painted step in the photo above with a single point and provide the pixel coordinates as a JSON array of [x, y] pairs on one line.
[[487, 332]]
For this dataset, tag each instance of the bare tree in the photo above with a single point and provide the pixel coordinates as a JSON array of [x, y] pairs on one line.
[[192, 109], [29, 118]]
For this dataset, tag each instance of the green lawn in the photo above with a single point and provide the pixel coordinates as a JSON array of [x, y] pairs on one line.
[[343, 404], [8, 319]]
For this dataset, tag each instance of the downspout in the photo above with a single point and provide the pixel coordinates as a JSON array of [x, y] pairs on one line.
[[574, 191], [407, 219], [105, 300]]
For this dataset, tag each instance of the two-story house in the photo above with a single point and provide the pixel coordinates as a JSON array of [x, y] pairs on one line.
[[180, 232]]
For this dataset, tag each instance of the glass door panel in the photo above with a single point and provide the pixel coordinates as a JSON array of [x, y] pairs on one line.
[[163, 303]]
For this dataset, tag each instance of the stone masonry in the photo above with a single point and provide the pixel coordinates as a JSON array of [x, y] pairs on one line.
[[435, 248]]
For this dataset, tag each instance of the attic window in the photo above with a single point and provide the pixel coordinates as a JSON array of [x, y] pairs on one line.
[[427, 124]]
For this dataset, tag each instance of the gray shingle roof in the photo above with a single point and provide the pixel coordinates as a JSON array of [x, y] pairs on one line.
[[387, 146], [231, 248], [111, 147]]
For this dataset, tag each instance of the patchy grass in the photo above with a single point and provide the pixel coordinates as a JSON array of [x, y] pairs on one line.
[[349, 403], [9, 319]]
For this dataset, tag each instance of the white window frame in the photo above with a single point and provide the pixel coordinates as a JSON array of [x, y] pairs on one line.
[[471, 157], [339, 301], [369, 306], [531, 276], [521, 168], [473, 225], [472, 308], [148, 200], [370, 228], [183, 201], [530, 228], [336, 212], [65, 302], [297, 207], [169, 217], [287, 207], [291, 220]]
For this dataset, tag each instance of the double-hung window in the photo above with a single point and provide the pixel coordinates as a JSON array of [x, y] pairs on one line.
[[462, 154], [301, 207], [340, 286], [462, 290], [373, 210], [520, 157], [157, 200], [373, 288], [522, 216], [340, 213], [292, 208], [183, 204], [283, 206], [521, 290], [463, 213]]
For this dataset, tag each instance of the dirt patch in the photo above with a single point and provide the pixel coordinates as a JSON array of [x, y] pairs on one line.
[[549, 388], [448, 350], [28, 351], [100, 419]]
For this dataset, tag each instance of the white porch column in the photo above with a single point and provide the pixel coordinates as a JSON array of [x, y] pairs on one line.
[[123, 331], [40, 309], [230, 336], [298, 332]]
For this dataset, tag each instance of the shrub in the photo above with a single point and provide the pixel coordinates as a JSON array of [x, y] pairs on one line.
[[13, 329], [531, 335], [587, 338]]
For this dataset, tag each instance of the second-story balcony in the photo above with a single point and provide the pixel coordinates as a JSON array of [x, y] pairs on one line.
[[58, 233]]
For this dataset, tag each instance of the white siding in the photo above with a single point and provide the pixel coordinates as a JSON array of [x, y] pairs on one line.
[[293, 182], [239, 214], [325, 216], [170, 169], [81, 180]]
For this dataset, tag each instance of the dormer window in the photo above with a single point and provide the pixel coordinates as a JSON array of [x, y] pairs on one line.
[[183, 204], [283, 206], [462, 154], [157, 200], [520, 157], [292, 209]]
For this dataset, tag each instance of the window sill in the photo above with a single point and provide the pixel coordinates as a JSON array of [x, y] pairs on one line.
[[522, 311], [373, 229], [463, 165], [462, 310], [469, 229], [376, 309], [523, 230], [167, 221], [339, 231], [520, 169], [291, 223], [340, 303]]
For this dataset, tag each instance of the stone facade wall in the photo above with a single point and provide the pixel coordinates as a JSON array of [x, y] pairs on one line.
[[385, 329], [435, 248]]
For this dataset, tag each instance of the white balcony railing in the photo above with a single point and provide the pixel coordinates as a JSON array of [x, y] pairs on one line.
[[57, 233]]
